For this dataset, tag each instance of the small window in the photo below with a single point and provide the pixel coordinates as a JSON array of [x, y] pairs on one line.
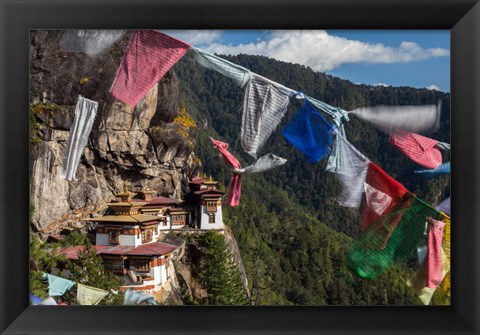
[[179, 219], [211, 219], [146, 235], [113, 236], [211, 206]]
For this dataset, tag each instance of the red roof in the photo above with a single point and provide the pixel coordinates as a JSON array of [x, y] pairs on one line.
[[148, 249], [154, 248], [163, 201], [209, 192], [117, 250], [72, 252], [197, 180]]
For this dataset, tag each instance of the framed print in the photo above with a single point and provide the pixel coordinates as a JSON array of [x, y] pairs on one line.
[[137, 198]]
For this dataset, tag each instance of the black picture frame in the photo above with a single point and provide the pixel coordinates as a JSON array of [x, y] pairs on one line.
[[17, 17]]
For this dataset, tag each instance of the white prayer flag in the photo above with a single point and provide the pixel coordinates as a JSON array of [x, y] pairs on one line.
[[264, 106], [85, 113], [87, 295], [91, 42]]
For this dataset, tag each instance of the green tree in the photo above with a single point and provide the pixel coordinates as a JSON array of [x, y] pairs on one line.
[[89, 270], [218, 272], [45, 261]]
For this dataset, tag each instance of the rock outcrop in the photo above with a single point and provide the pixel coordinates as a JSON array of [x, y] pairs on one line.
[[145, 146], [186, 267]]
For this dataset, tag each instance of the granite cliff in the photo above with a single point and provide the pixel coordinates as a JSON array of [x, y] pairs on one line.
[[150, 145]]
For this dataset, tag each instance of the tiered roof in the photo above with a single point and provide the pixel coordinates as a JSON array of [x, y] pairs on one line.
[[140, 219], [148, 249]]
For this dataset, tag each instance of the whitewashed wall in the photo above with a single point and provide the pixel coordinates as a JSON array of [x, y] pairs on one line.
[[218, 219], [101, 239]]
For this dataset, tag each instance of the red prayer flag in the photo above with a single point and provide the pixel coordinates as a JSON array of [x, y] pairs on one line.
[[419, 149], [382, 193], [434, 255], [149, 55], [235, 188]]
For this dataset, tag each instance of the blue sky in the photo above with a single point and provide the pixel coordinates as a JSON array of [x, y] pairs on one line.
[[416, 58]]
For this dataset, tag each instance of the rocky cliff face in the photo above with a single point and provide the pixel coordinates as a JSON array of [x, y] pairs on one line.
[[149, 145], [186, 269]]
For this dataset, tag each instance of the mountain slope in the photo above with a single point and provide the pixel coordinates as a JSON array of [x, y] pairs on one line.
[[290, 254], [216, 101]]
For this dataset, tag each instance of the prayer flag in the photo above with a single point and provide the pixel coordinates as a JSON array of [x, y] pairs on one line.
[[416, 119], [57, 286], [434, 256], [239, 74], [132, 297], [149, 55], [443, 146], [87, 295], [420, 149], [370, 256], [85, 112], [264, 106], [446, 248], [310, 133], [264, 163], [420, 287], [444, 206], [339, 117], [351, 168], [48, 301], [34, 299], [442, 169], [382, 194], [235, 188], [376, 200], [446, 234], [91, 42]]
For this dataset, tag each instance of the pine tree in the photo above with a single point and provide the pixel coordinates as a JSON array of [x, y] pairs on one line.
[[219, 273], [45, 261]]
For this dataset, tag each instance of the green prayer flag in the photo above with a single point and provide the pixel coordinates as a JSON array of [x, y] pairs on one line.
[[391, 239]]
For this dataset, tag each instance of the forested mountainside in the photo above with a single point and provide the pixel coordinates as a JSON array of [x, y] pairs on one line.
[[292, 235]]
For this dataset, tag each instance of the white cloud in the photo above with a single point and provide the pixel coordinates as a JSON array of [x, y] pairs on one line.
[[433, 87], [381, 84], [324, 52], [195, 37]]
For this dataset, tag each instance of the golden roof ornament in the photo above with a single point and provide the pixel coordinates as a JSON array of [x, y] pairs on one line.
[[126, 195], [148, 193]]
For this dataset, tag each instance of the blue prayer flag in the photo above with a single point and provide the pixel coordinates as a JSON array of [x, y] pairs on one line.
[[35, 300], [310, 133], [442, 169]]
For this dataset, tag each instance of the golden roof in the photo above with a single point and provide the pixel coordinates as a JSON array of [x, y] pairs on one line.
[[137, 218], [127, 204]]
